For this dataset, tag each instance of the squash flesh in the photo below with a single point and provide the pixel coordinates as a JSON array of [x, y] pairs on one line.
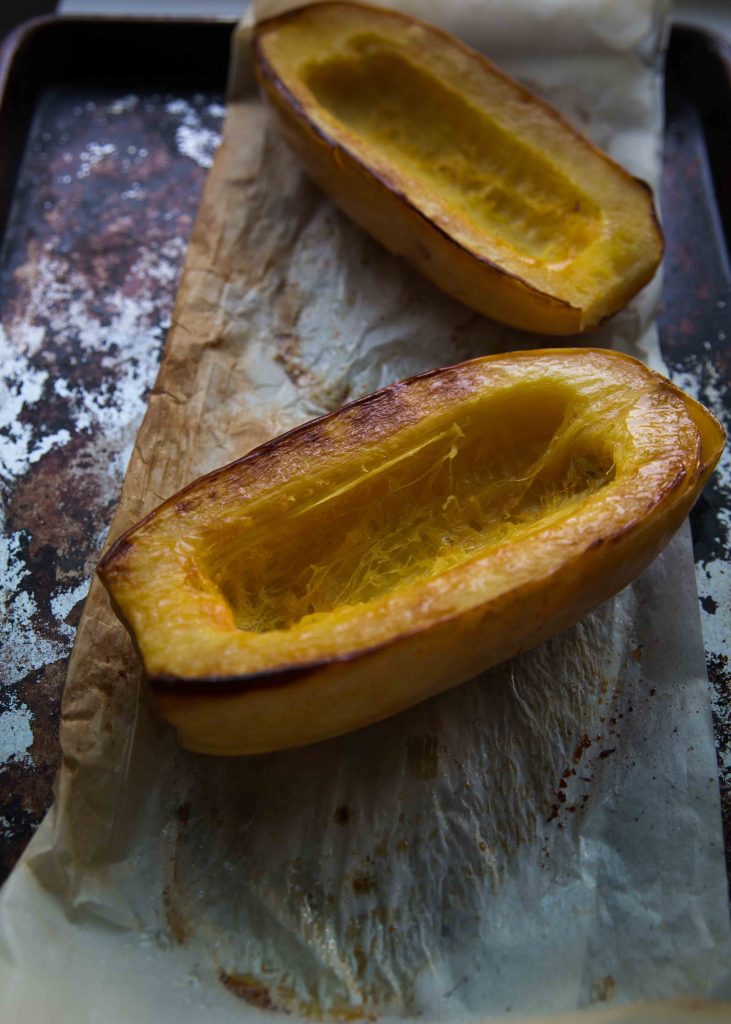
[[411, 514], [448, 162], [377, 556], [487, 181]]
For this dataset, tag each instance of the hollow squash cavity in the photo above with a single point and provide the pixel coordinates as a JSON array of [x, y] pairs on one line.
[[478, 480], [471, 166], [452, 165], [377, 556]]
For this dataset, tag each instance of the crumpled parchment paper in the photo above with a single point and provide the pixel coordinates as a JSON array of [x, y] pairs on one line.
[[543, 838]]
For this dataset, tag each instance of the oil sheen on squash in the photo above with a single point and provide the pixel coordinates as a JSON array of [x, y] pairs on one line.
[[451, 164], [374, 557], [409, 513], [492, 181]]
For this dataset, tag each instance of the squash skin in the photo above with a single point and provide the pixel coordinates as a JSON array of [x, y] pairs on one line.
[[485, 274], [426, 636]]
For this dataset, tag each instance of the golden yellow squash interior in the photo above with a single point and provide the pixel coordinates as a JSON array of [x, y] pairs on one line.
[[411, 507], [490, 181], [411, 512], [487, 163]]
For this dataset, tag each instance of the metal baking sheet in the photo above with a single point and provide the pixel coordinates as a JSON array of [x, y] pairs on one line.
[[107, 128], [695, 325], [107, 131]]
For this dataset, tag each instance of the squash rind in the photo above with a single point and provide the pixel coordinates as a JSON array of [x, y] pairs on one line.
[[427, 635], [484, 273]]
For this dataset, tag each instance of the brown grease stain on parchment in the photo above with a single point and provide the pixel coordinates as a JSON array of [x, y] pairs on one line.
[[344, 859], [284, 309]]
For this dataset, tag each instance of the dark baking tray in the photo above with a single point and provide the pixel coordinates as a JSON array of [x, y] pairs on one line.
[[695, 323], [73, 86], [98, 193], [148, 54]]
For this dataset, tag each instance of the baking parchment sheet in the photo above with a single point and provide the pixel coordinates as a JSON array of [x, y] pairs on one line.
[[543, 838]]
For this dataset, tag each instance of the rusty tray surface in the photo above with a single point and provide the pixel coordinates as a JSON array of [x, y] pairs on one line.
[[695, 326], [107, 129]]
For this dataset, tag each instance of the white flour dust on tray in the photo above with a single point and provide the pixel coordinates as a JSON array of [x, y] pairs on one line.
[[106, 199], [713, 570], [193, 137]]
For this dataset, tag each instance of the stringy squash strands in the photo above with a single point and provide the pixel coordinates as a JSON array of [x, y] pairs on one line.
[[400, 545]]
